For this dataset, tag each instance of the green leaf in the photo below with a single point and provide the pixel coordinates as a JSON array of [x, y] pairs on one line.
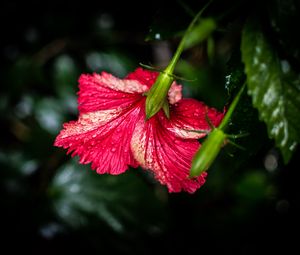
[[200, 32], [274, 87], [84, 198]]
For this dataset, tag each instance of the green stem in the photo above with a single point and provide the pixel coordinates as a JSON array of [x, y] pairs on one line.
[[180, 48], [156, 96], [231, 109]]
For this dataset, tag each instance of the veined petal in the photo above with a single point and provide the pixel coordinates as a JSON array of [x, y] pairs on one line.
[[112, 134], [103, 92], [144, 76], [156, 148], [189, 115], [102, 138]]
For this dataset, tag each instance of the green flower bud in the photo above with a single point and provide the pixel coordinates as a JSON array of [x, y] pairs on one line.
[[157, 95], [208, 152], [212, 145]]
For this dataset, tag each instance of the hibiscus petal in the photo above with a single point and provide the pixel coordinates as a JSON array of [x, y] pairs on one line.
[[175, 93], [144, 76], [189, 115], [102, 92], [102, 138], [169, 157]]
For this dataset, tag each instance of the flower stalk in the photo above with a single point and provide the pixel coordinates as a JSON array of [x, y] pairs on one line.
[[157, 96], [212, 145]]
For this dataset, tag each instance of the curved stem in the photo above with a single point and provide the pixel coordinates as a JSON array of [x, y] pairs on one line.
[[156, 96], [180, 48], [231, 108]]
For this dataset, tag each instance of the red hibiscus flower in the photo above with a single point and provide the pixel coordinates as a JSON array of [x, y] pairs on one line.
[[112, 132]]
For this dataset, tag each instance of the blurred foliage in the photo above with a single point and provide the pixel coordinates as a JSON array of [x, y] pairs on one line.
[[80, 197], [50, 203], [200, 32]]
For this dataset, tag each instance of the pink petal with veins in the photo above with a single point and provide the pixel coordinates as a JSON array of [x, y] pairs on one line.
[[102, 138], [112, 134], [188, 115], [168, 157], [102, 92], [145, 77], [107, 119]]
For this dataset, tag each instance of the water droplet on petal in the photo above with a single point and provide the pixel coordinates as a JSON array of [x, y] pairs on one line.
[[176, 141], [113, 149], [149, 160]]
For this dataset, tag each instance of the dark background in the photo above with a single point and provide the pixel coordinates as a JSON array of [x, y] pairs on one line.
[[51, 204]]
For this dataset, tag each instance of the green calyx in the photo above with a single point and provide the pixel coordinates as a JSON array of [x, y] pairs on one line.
[[157, 95]]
